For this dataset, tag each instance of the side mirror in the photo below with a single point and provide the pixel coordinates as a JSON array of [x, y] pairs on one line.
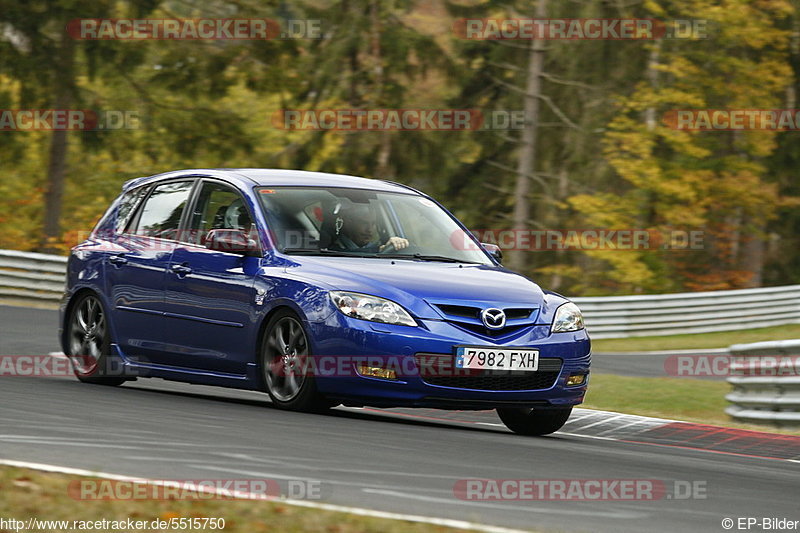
[[232, 241], [494, 251]]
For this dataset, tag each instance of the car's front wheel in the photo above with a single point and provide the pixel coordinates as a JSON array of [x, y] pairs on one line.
[[89, 343], [533, 422], [286, 365]]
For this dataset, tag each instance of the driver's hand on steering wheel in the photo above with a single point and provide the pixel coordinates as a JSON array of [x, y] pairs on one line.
[[398, 243]]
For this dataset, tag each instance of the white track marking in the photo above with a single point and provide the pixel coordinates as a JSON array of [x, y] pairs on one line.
[[570, 512], [601, 421], [445, 522]]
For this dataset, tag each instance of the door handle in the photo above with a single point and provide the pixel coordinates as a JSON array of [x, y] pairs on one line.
[[181, 270], [118, 260]]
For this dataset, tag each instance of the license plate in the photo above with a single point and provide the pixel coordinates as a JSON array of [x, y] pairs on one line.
[[489, 358]]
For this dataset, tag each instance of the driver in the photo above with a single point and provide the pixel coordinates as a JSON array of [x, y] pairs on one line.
[[355, 232]]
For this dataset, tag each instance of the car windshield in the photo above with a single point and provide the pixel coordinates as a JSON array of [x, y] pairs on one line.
[[365, 223]]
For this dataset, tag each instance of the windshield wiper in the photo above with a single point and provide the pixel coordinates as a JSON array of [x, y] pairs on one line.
[[443, 259], [344, 253], [426, 257], [325, 251]]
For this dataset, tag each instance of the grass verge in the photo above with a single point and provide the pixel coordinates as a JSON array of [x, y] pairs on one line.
[[43, 495], [692, 400], [721, 339]]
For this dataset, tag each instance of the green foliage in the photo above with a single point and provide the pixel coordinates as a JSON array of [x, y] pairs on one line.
[[716, 182]]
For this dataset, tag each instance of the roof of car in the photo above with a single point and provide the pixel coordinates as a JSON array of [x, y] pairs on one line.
[[277, 177]]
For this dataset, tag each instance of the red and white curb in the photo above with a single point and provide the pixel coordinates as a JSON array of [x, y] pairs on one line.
[[608, 425]]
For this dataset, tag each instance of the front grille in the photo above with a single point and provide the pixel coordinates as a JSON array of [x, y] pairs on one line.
[[464, 311], [460, 310], [439, 370], [517, 314], [483, 330]]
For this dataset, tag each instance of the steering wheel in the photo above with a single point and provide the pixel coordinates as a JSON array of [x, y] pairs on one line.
[[389, 248], [409, 250]]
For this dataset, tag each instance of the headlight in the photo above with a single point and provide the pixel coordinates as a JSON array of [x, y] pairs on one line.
[[371, 308], [568, 318]]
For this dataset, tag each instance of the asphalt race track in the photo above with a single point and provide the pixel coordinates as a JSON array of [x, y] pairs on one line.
[[372, 459]]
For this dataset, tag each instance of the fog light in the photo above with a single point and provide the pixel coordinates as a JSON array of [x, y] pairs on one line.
[[376, 372], [576, 379]]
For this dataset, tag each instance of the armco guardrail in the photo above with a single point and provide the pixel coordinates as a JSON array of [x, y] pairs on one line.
[[30, 276], [690, 312], [41, 277], [766, 382]]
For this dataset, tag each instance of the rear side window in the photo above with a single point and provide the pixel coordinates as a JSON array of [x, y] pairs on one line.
[[161, 213], [127, 206]]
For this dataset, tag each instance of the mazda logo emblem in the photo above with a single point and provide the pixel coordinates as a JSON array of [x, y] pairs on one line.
[[493, 318]]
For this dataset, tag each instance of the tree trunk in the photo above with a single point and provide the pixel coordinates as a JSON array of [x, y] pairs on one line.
[[556, 279], [752, 256], [63, 77], [384, 153], [652, 78], [527, 152]]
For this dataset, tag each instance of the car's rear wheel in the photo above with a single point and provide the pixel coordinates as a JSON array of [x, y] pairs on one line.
[[89, 343], [533, 422], [286, 365]]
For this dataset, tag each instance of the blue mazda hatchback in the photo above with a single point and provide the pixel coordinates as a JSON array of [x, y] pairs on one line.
[[319, 289]]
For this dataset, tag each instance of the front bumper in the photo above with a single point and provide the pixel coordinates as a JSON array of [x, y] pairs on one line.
[[341, 343]]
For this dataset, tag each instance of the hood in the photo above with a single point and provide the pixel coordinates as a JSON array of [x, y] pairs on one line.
[[423, 286]]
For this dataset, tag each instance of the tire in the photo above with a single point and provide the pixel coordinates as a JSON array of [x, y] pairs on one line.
[[89, 343], [532, 422], [285, 355]]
